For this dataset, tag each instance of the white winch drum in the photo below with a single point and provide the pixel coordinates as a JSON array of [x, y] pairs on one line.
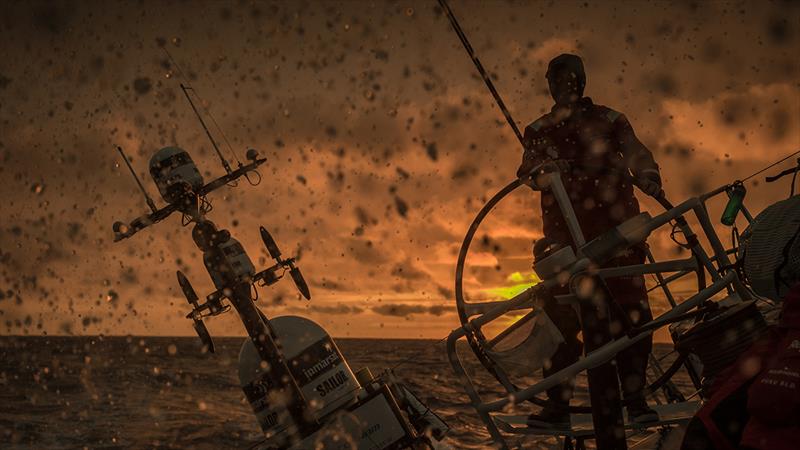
[[770, 246], [316, 364]]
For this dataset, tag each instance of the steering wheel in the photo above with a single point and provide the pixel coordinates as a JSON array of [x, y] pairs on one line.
[[475, 337]]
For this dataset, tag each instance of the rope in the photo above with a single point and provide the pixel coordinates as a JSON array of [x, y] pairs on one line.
[[481, 70], [772, 165]]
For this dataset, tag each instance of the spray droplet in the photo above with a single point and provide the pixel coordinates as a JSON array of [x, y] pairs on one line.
[[409, 12], [172, 349], [37, 188]]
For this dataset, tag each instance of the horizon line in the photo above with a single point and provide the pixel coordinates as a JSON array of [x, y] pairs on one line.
[[193, 337]]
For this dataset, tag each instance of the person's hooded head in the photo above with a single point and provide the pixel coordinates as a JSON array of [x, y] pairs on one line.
[[566, 78]]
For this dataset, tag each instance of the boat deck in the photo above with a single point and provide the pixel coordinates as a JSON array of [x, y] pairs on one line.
[[581, 424]]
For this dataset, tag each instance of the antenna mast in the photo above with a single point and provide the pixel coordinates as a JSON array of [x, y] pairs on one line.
[[144, 192], [208, 133]]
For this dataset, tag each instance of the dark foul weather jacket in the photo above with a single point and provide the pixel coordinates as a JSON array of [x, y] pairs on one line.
[[600, 145], [601, 148]]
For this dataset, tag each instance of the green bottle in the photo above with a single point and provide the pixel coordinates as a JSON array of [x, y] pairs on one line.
[[736, 195]]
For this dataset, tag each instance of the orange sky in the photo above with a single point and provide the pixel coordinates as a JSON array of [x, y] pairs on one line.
[[362, 109]]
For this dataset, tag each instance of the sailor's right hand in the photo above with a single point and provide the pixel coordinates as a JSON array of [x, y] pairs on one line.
[[649, 181]]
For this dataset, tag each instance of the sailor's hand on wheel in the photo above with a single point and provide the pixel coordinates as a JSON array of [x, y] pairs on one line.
[[649, 181], [525, 168]]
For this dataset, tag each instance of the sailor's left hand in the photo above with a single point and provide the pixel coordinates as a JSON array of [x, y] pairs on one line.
[[649, 181], [526, 168]]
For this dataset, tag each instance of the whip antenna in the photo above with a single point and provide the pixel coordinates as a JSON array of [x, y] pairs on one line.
[[186, 90], [147, 198], [208, 133], [481, 70]]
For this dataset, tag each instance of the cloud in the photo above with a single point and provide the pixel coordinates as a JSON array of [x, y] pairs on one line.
[[337, 309], [329, 285], [754, 124], [405, 310], [408, 270]]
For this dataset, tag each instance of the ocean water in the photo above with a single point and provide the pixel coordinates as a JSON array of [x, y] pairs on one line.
[[162, 392]]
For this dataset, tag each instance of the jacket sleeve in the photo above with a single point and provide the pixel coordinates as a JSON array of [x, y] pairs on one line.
[[637, 157], [536, 151]]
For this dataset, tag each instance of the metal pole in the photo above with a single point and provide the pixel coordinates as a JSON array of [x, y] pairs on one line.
[[565, 204], [260, 334], [268, 351], [604, 392]]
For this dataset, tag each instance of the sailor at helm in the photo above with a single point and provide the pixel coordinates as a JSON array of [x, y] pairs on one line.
[[593, 146]]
